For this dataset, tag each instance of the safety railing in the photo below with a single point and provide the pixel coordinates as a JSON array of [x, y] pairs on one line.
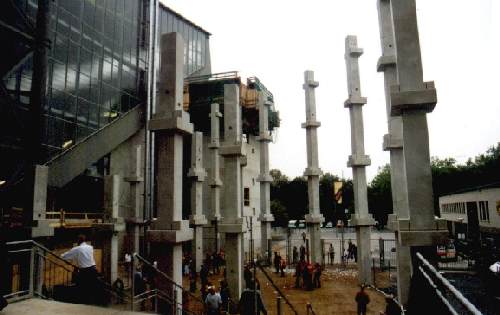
[[36, 271], [191, 304], [278, 290], [431, 285]]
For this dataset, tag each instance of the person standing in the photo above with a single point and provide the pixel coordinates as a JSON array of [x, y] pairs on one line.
[[213, 302], [295, 255], [249, 299], [277, 262], [204, 274], [83, 256], [192, 277], [317, 275], [392, 308], [331, 253], [362, 299], [225, 296], [247, 275]]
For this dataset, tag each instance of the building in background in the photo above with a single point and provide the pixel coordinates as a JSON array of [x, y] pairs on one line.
[[473, 214], [98, 92]]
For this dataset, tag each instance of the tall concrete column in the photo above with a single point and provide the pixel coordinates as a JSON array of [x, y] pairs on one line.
[[215, 182], [36, 201], [170, 124], [264, 177], [110, 242], [197, 174], [135, 181], [411, 99], [394, 144], [232, 150], [362, 220], [312, 172]]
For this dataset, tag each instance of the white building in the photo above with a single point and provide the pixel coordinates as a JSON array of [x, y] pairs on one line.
[[473, 212]]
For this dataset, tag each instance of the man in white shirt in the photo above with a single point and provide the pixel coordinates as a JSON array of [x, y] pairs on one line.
[[213, 302], [83, 256]]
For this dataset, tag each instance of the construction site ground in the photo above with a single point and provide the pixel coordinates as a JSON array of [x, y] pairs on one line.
[[336, 295]]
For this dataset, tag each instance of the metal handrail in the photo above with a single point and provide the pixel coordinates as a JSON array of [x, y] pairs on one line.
[[144, 260], [277, 288], [59, 262], [462, 299]]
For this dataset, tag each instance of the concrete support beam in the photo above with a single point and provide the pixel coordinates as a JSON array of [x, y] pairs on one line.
[[264, 177], [394, 144], [312, 172], [110, 242], [36, 203], [170, 123], [362, 220], [197, 218], [233, 150], [135, 181], [215, 182], [412, 99]]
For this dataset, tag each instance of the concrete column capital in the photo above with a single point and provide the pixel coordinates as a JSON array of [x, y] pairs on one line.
[[176, 122], [197, 220], [358, 161], [355, 101], [311, 124], [233, 149], [264, 137], [357, 220], [264, 178], [170, 236], [198, 174], [314, 218], [266, 217], [386, 62], [423, 99], [313, 171], [392, 143]]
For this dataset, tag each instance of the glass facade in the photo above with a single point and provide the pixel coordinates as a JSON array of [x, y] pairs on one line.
[[195, 39], [96, 67]]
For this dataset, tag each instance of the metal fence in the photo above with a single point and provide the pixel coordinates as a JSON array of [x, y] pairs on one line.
[[436, 295]]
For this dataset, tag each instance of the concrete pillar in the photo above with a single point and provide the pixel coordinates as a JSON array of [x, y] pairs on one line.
[[197, 174], [232, 222], [264, 177], [170, 123], [110, 242], [135, 181], [362, 220], [394, 144], [215, 182], [412, 99], [38, 175], [312, 172]]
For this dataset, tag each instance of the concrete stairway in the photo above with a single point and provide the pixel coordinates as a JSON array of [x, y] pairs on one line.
[[50, 307]]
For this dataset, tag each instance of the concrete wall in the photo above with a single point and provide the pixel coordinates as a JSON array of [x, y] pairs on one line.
[[492, 195]]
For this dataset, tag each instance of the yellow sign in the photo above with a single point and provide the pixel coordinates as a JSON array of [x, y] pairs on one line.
[[337, 191]]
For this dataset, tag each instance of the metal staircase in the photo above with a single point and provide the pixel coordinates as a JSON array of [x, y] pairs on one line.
[[37, 272]]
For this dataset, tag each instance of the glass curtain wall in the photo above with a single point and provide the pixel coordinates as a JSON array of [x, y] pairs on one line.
[[97, 52], [195, 39]]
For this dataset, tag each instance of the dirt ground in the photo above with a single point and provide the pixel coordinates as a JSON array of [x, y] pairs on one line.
[[336, 295]]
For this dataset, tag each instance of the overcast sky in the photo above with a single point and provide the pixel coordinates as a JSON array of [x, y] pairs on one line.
[[277, 40]]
